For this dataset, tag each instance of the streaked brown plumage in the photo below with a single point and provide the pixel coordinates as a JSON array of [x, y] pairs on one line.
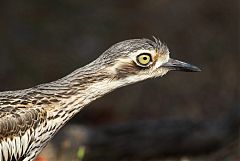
[[29, 118]]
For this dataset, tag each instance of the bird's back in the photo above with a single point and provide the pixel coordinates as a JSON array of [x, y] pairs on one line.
[[21, 120]]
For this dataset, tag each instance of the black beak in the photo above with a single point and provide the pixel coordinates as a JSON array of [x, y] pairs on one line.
[[173, 64]]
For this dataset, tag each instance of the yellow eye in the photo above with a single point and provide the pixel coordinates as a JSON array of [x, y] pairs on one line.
[[144, 59]]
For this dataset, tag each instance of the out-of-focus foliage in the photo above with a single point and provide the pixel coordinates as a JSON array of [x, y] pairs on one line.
[[81, 153]]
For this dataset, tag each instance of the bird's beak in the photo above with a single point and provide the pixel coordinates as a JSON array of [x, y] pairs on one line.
[[173, 64]]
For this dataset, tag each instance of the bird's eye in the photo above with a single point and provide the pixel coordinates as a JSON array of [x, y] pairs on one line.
[[144, 59]]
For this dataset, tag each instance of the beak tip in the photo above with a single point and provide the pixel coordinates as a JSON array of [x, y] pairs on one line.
[[196, 69]]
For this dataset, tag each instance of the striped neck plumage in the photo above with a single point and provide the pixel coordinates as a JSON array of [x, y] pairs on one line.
[[68, 95]]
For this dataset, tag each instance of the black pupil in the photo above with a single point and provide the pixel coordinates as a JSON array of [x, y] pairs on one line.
[[145, 58]]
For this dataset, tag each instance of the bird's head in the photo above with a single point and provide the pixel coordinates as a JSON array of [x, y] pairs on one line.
[[135, 60]]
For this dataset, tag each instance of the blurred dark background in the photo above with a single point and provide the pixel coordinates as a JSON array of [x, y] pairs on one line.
[[41, 41]]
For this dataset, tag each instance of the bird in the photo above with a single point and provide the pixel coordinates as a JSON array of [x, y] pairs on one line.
[[29, 118]]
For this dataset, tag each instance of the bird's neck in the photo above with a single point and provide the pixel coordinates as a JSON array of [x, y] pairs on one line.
[[75, 91]]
